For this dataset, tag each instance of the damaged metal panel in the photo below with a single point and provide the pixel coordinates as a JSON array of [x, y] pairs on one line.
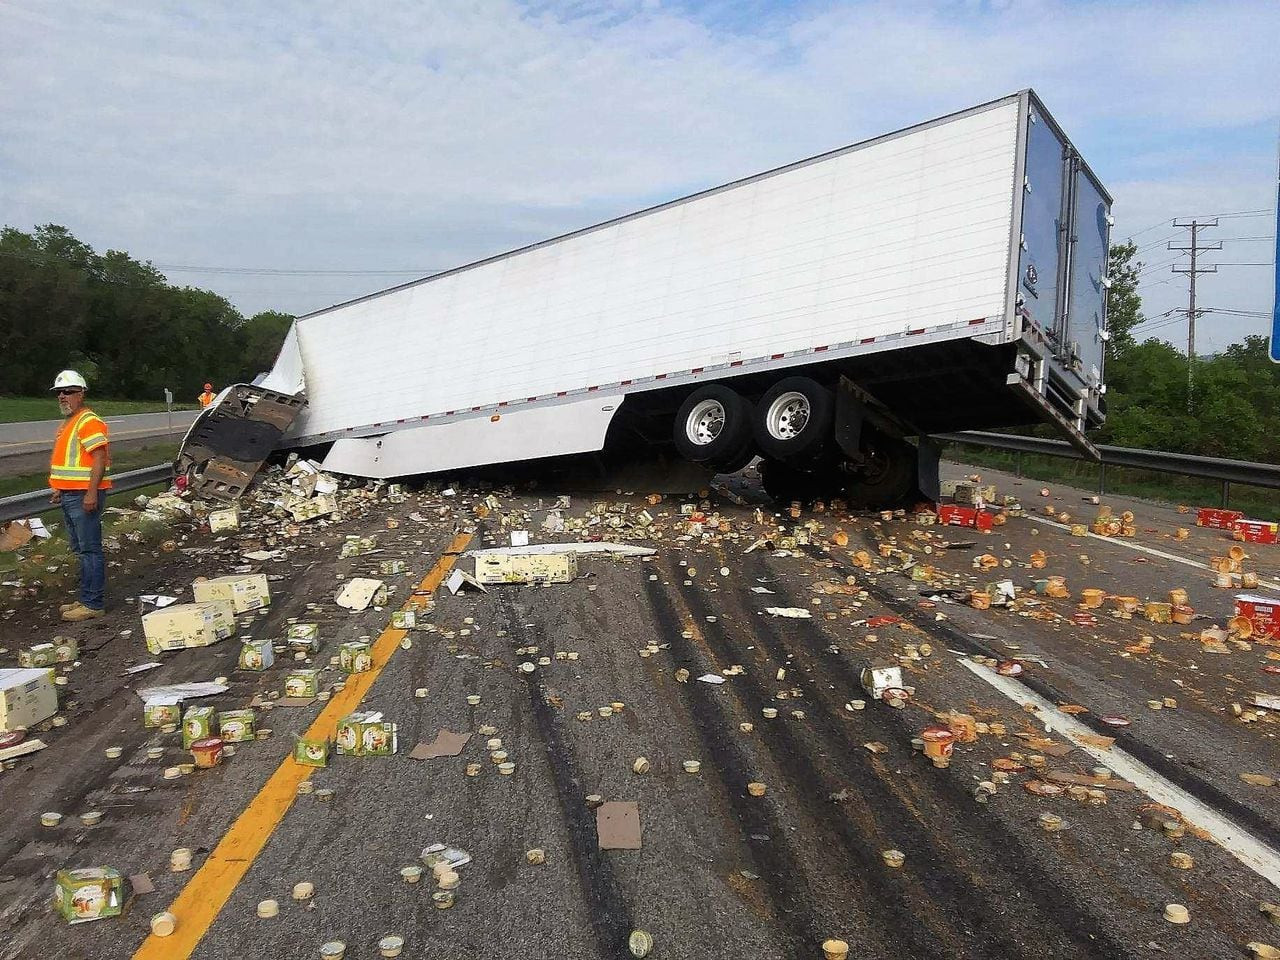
[[230, 441]]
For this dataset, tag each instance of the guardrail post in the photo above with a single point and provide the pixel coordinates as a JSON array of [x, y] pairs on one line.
[[1017, 464], [1226, 493], [1102, 478]]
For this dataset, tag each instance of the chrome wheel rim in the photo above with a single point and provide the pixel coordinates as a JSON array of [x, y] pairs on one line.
[[788, 415], [705, 422]]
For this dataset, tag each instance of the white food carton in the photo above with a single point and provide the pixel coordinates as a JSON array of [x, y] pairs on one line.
[[27, 697], [245, 591]]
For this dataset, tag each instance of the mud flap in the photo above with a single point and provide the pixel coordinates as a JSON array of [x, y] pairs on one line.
[[928, 455]]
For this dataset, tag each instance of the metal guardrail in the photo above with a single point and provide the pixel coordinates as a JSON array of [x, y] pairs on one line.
[[1223, 471], [37, 501]]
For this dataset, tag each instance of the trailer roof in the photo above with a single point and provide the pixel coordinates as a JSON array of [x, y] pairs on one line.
[[795, 165]]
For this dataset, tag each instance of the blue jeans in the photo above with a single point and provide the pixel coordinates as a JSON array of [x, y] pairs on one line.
[[84, 530]]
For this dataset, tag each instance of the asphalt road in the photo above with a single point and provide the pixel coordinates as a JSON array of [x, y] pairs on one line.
[[36, 436], [720, 872]]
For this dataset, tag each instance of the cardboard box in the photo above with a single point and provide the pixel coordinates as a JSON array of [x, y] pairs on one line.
[[389, 567], [354, 656], [303, 636], [526, 568], [245, 591], [366, 735], [185, 625], [90, 893], [59, 650], [302, 683], [954, 516], [404, 619], [237, 726], [878, 678], [321, 506], [1262, 612], [256, 654], [1217, 519], [227, 519], [197, 724], [1256, 531], [157, 711], [27, 697], [311, 753], [357, 546]]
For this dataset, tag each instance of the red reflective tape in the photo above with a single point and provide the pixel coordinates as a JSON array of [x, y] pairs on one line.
[[626, 382], [979, 320], [777, 356], [867, 340], [819, 349], [591, 389], [563, 393], [697, 369], [736, 363], [475, 409], [426, 416], [502, 404], [530, 399], [399, 421], [450, 413], [661, 376], [375, 424], [912, 333]]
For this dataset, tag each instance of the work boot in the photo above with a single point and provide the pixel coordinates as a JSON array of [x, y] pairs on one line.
[[63, 608], [80, 612]]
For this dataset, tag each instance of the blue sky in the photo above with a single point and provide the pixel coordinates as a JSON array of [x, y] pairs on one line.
[[360, 137]]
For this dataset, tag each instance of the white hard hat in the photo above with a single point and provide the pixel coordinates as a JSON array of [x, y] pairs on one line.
[[68, 378]]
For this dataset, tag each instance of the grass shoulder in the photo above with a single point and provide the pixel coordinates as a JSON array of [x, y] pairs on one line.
[[26, 409]]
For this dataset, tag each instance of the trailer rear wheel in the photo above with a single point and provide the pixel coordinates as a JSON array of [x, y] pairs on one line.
[[713, 427], [886, 477], [794, 420]]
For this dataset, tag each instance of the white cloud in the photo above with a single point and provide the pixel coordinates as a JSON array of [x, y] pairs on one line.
[[376, 136]]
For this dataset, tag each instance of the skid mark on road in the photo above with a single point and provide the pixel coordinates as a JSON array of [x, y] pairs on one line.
[[208, 890]]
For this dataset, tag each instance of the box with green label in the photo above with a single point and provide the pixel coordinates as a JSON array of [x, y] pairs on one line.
[[89, 893], [237, 726], [197, 724], [303, 636], [58, 650], [355, 656], [256, 654], [311, 753], [366, 734], [302, 683]]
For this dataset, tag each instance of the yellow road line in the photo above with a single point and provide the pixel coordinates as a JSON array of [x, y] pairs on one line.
[[208, 890]]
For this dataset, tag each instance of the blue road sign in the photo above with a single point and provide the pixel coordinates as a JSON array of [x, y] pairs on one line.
[[1275, 303]]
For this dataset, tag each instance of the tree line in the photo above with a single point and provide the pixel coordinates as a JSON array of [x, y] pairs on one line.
[[1229, 407], [119, 322]]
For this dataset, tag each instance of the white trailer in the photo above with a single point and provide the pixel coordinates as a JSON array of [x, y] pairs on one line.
[[948, 276]]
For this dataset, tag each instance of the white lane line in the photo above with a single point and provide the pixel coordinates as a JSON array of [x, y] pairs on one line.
[[1244, 846], [1143, 549]]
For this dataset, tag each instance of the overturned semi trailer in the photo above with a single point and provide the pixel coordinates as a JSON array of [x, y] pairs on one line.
[[822, 315]]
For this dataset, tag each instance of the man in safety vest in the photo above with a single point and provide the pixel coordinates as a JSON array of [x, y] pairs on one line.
[[78, 476], [206, 398]]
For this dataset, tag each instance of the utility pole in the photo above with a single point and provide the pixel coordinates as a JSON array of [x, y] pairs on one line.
[[1196, 246]]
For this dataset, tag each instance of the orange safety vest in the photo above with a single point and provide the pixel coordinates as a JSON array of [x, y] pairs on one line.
[[72, 460], [206, 398]]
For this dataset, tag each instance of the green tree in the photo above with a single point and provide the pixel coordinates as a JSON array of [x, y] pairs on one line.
[[263, 334], [1124, 304]]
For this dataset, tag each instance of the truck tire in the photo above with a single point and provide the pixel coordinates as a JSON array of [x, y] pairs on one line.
[[888, 476], [794, 420], [785, 483], [713, 426]]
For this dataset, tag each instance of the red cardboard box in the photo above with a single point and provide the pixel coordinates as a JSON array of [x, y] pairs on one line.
[[1217, 519], [1256, 531], [956, 516], [1262, 612]]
